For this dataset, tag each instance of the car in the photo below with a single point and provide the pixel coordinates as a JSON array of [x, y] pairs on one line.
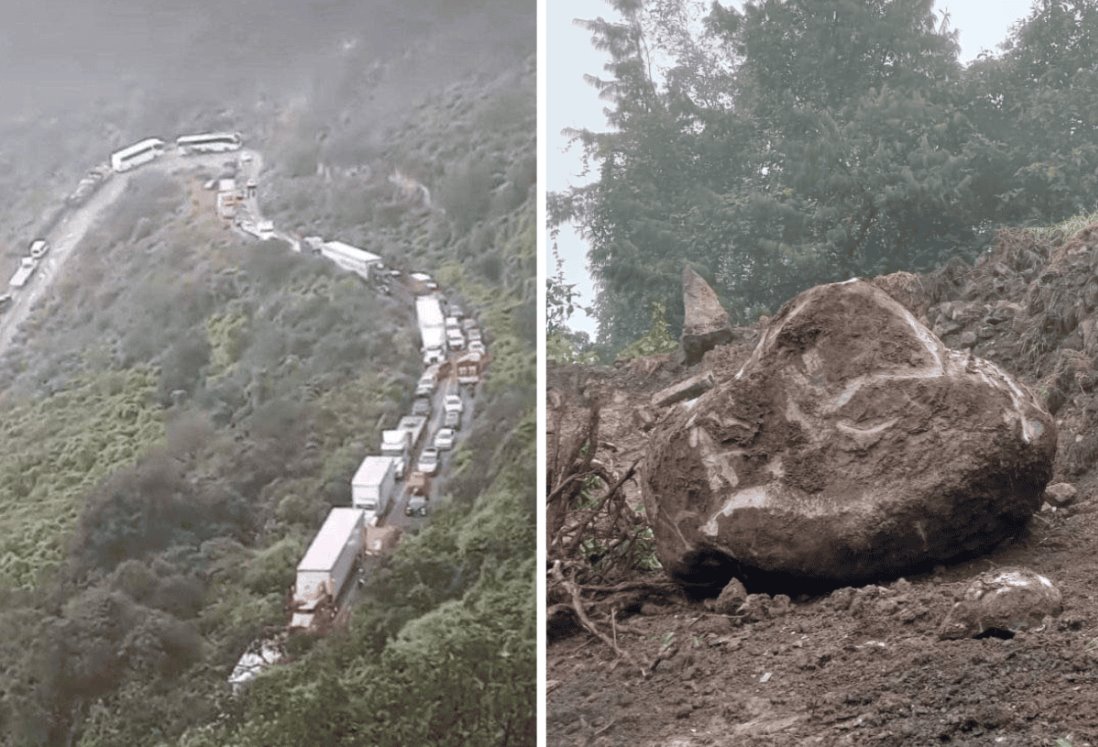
[[428, 461], [454, 339], [457, 312], [474, 335], [452, 419], [421, 406], [453, 402], [452, 323], [417, 506], [468, 324], [444, 439], [476, 346], [39, 248]]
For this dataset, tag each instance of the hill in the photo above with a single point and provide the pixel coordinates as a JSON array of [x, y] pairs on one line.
[[177, 421]]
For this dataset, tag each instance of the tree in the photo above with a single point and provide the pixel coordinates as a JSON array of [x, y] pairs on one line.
[[795, 142]]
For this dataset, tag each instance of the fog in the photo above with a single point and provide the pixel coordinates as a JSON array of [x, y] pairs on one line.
[[61, 58]]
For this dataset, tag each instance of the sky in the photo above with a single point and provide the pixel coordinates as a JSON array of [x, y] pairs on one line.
[[571, 102]]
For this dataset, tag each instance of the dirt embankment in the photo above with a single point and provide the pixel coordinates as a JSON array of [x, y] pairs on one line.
[[866, 665]]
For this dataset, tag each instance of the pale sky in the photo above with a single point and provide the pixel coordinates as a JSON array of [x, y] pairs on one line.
[[571, 102]]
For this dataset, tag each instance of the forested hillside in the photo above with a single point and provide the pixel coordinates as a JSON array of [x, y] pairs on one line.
[[175, 424], [797, 142]]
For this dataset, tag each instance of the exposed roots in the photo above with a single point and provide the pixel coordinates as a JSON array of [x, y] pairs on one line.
[[596, 541]]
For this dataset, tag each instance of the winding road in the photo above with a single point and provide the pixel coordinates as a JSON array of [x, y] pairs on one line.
[[69, 231]]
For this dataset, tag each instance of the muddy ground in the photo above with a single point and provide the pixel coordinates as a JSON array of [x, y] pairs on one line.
[[865, 666]]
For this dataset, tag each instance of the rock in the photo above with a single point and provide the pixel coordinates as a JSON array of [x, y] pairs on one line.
[[852, 445], [1002, 603], [1060, 494], [730, 600], [905, 288], [968, 339], [688, 389], [644, 417], [705, 322]]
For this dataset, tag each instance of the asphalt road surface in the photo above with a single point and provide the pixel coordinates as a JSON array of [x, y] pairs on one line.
[[71, 229]]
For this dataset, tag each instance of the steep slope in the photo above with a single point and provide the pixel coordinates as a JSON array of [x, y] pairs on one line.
[[178, 420]]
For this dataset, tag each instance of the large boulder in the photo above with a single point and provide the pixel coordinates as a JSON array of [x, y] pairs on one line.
[[705, 322], [851, 445]]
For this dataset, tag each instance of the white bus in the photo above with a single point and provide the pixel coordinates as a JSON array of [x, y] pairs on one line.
[[212, 142], [137, 154]]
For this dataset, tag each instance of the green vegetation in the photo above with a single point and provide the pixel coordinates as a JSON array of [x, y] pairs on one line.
[[179, 418], [57, 449], [794, 142]]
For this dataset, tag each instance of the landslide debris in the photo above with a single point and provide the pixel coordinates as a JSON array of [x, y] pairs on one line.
[[851, 445]]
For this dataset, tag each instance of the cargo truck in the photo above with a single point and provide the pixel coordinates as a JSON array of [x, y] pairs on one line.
[[432, 329], [397, 444], [469, 367], [414, 425], [372, 485], [328, 563]]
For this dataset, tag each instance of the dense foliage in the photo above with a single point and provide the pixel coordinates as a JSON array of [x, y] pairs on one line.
[[802, 141], [179, 416]]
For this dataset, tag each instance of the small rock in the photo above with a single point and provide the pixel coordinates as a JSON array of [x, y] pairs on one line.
[[967, 339], [765, 678], [1060, 494], [1002, 602], [755, 608], [645, 418], [731, 598], [780, 604]]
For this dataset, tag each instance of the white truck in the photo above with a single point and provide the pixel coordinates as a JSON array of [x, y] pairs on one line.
[[397, 445], [415, 425], [432, 329], [27, 266], [327, 565], [372, 485]]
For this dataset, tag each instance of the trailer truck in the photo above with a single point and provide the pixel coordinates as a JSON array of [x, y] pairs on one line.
[[323, 573], [372, 486]]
